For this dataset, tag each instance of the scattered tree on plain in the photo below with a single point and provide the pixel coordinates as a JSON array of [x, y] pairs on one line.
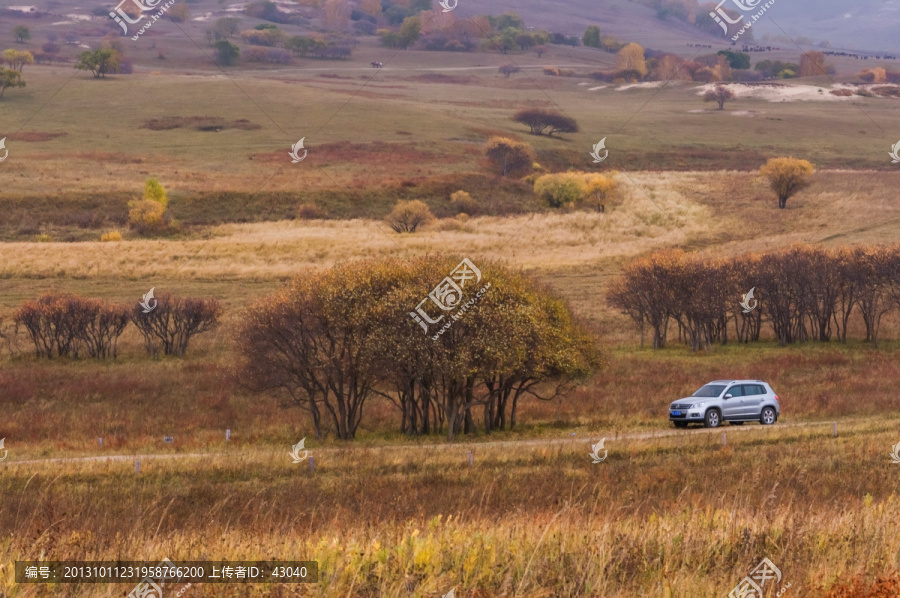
[[9, 78], [100, 61], [509, 157], [22, 33], [408, 216], [509, 69], [787, 176], [719, 94], [540, 120]]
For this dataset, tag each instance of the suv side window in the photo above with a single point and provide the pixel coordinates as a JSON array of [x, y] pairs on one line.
[[758, 389], [735, 391]]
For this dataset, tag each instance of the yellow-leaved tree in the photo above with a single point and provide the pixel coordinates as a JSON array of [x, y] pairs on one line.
[[631, 58], [149, 213], [787, 176]]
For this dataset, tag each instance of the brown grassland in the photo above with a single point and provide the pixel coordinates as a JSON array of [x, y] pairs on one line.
[[668, 515]]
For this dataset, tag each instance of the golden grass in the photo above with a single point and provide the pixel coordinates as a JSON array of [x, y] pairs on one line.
[[672, 516], [652, 216]]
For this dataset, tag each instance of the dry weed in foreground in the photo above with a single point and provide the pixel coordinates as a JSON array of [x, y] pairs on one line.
[[676, 516]]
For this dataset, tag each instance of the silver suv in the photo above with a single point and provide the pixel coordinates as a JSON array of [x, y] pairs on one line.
[[733, 401]]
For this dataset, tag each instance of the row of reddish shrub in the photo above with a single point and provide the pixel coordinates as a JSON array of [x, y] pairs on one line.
[[804, 293], [66, 325]]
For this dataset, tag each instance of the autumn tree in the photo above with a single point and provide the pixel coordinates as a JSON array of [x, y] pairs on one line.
[[10, 78], [148, 214], [787, 176], [580, 189], [719, 94], [16, 59], [63, 325], [174, 321], [812, 64], [509, 157], [330, 341], [100, 61], [631, 58], [408, 216]]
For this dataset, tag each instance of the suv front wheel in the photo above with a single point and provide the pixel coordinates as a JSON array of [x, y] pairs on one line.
[[712, 419], [768, 416]]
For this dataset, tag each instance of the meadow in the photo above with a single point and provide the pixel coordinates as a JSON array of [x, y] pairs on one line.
[[665, 514]]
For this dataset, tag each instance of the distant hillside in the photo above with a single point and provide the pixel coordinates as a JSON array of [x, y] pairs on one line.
[[860, 25]]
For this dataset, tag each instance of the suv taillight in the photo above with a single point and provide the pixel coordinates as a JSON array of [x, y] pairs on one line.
[[776, 397]]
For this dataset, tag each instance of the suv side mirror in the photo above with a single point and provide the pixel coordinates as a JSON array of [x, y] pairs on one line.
[[728, 396]]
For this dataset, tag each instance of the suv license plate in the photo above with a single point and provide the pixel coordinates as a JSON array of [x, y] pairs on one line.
[[676, 413]]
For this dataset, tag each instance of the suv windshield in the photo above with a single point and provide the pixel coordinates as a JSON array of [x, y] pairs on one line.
[[710, 391]]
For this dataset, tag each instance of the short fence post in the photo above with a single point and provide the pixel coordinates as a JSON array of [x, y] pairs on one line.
[[724, 439], [100, 441], [834, 429], [137, 466], [312, 463], [227, 435], [471, 459]]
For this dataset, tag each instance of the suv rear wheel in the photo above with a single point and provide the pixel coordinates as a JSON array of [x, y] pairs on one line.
[[712, 419], [768, 416]]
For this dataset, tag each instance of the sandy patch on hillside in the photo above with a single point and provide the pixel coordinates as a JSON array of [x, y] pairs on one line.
[[777, 92], [646, 85]]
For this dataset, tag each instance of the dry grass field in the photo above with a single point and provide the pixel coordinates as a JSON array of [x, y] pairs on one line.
[[666, 514], [678, 515]]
